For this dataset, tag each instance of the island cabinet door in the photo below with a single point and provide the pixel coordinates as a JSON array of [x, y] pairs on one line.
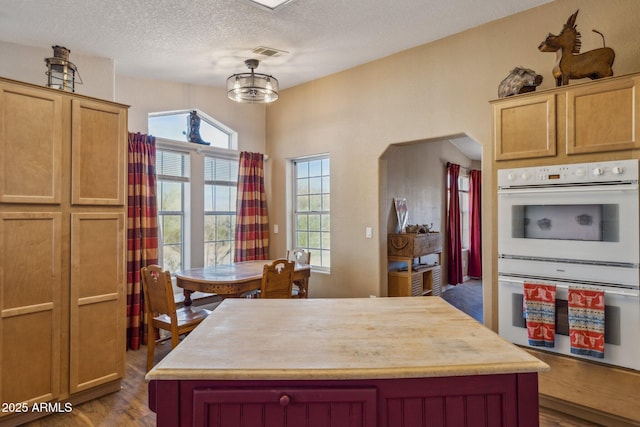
[[283, 407], [467, 401]]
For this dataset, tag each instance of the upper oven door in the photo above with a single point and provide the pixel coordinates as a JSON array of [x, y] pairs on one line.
[[588, 223]]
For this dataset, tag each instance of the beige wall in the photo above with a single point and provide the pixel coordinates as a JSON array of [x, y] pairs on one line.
[[424, 93], [26, 64], [148, 96]]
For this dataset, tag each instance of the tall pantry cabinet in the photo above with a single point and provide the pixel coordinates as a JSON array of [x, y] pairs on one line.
[[62, 246]]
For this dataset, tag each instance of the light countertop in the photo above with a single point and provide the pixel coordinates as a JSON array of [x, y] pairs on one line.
[[351, 338]]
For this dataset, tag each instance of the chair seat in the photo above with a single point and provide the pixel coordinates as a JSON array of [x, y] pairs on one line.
[[185, 315]]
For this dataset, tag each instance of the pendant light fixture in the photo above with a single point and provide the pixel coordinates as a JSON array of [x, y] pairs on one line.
[[252, 87]]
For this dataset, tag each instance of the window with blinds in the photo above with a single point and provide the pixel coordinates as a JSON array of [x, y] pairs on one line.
[[172, 169], [220, 186]]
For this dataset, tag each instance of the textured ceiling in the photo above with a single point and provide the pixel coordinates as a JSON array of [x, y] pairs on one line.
[[205, 41]]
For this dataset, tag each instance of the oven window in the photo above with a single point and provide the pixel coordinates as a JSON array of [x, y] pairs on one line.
[[585, 222], [611, 315]]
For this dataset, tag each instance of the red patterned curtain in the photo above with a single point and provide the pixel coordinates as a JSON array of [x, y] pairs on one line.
[[454, 236], [252, 220], [142, 229], [475, 224]]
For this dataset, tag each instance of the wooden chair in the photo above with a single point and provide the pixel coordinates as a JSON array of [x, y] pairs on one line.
[[161, 310], [299, 256], [277, 279]]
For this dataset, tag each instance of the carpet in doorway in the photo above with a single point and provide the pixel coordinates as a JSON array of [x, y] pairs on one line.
[[466, 297]]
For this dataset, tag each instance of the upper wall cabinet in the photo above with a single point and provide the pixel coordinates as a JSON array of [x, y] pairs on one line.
[[603, 117], [31, 133], [591, 117], [98, 142], [525, 127]]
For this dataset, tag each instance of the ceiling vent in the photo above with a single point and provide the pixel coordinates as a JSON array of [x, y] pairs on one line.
[[268, 51]]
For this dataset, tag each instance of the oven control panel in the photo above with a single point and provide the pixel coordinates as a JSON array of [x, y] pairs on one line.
[[575, 173]]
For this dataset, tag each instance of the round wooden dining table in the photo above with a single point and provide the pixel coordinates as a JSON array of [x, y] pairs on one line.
[[234, 280]]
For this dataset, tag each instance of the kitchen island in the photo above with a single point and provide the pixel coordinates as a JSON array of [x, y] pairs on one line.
[[344, 362]]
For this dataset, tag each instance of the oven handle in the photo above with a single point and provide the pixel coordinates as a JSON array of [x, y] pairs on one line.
[[567, 189], [623, 293]]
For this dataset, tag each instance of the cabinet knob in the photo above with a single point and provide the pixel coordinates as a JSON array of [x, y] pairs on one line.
[[284, 400]]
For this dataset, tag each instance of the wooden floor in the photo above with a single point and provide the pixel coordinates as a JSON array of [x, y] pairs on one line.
[[128, 407]]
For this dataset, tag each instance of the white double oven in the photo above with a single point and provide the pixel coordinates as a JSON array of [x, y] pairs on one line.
[[574, 225]]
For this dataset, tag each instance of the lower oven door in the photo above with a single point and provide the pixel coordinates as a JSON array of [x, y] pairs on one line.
[[622, 321]]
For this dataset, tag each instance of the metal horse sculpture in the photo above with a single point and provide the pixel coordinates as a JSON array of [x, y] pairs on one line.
[[571, 63]]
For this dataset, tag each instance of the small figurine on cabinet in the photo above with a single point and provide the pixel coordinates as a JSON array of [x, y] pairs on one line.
[[571, 64], [519, 80]]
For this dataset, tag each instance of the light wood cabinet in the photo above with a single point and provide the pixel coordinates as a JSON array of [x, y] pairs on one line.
[[594, 117], [409, 279], [603, 117], [62, 246], [525, 127]]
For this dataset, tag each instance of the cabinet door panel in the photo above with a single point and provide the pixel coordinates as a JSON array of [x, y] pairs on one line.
[[453, 401], [302, 407], [30, 145], [98, 156], [97, 299], [525, 127], [603, 117], [30, 294]]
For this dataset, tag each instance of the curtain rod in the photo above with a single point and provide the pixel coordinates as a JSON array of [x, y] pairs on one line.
[[461, 167]]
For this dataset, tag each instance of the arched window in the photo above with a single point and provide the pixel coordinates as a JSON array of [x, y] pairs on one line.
[[195, 178], [174, 125]]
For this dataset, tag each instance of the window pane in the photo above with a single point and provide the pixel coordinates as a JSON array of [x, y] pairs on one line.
[[314, 240], [303, 204], [315, 185], [326, 222], [312, 203], [175, 126], [209, 228], [315, 168], [314, 222], [302, 222], [326, 241], [172, 257], [302, 170], [223, 227], [326, 184], [303, 186], [315, 203], [221, 177], [171, 196], [326, 259], [172, 229], [326, 205], [301, 240]]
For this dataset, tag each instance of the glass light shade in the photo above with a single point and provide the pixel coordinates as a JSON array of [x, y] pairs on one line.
[[61, 74], [252, 87]]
